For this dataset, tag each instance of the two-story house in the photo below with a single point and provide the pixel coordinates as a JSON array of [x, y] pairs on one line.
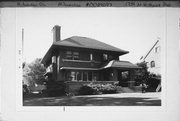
[[80, 60], [152, 58]]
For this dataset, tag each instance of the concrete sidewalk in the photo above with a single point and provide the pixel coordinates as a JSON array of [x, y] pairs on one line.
[[148, 94]]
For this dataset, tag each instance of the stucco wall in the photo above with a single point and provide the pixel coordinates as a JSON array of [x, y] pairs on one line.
[[154, 56]]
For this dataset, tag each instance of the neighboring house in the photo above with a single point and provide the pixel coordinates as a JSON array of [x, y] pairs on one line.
[[81, 60], [152, 58]]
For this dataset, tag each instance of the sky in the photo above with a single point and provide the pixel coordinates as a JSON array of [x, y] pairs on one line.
[[131, 29]]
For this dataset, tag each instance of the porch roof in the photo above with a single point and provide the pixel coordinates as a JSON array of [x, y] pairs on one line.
[[120, 65], [77, 68], [112, 64]]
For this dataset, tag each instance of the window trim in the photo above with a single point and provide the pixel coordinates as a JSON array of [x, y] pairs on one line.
[[105, 57], [91, 57], [73, 75], [157, 49], [152, 64], [73, 55]]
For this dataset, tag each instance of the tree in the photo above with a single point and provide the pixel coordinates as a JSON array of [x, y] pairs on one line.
[[33, 73], [143, 73], [37, 71], [150, 79]]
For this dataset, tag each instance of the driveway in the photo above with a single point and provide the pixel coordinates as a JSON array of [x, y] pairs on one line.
[[122, 99]]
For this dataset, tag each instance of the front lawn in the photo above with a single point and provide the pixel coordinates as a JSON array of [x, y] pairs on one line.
[[97, 100]]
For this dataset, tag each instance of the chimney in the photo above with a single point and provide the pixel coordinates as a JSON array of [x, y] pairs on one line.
[[56, 33]]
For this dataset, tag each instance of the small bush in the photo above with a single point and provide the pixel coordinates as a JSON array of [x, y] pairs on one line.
[[55, 89], [153, 83], [86, 90], [25, 90], [108, 89], [91, 89]]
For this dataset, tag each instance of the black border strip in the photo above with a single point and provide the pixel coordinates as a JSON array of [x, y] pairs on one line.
[[92, 3]]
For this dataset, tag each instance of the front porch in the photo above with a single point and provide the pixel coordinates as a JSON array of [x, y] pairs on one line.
[[124, 77], [103, 75], [110, 73]]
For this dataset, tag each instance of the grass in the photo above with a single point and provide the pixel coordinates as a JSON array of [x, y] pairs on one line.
[[93, 100]]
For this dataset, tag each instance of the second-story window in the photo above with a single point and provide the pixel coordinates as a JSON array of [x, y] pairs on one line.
[[75, 56], [111, 57], [152, 64], [72, 55], [91, 57], [157, 49], [69, 55], [105, 57]]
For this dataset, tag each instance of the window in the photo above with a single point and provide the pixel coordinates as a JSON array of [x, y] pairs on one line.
[[68, 55], [91, 56], [105, 57], [85, 76], [79, 75], [94, 76], [110, 57], [152, 64], [75, 56], [89, 76], [54, 59], [157, 49], [72, 55], [73, 76]]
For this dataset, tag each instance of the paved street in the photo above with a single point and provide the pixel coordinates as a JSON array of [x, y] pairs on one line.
[[122, 99]]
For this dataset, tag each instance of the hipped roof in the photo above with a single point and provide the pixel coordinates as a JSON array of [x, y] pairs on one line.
[[82, 42]]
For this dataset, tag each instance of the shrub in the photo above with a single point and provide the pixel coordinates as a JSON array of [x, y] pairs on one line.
[[91, 89], [108, 89], [25, 89], [55, 88], [153, 82], [86, 90]]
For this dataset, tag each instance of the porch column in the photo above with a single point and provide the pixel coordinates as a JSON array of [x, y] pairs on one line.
[[54, 66], [119, 76], [115, 75], [131, 77]]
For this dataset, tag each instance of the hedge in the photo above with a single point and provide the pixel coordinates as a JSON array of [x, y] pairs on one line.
[[92, 89]]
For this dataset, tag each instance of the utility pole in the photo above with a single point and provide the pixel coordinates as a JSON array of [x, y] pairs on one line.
[[23, 48], [22, 42]]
